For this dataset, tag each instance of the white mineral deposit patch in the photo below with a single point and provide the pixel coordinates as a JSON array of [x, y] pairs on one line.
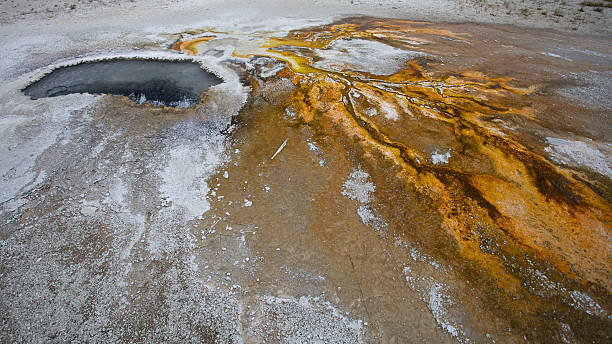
[[440, 158], [580, 153], [186, 171], [370, 218], [27, 130], [584, 302], [304, 319], [556, 56], [358, 187], [593, 90], [364, 55], [438, 304]]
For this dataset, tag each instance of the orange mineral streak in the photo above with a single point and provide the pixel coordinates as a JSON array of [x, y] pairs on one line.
[[190, 46], [565, 224], [576, 242], [366, 28], [319, 97], [395, 26], [524, 203], [318, 38]]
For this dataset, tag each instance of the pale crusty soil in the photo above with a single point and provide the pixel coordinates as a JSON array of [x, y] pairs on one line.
[[567, 15]]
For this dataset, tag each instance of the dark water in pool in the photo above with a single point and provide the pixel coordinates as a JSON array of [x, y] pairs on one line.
[[159, 82]]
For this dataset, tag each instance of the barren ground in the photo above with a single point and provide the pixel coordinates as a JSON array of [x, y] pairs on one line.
[[406, 172]]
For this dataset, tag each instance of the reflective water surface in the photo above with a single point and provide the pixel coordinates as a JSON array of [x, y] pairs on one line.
[[169, 83]]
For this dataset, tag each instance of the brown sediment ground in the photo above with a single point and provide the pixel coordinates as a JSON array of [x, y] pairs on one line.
[[519, 235], [419, 182]]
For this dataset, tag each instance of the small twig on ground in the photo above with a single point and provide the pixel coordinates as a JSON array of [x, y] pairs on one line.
[[279, 149], [214, 224]]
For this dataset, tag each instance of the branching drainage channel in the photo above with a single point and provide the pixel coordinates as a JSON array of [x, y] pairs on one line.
[[159, 82]]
